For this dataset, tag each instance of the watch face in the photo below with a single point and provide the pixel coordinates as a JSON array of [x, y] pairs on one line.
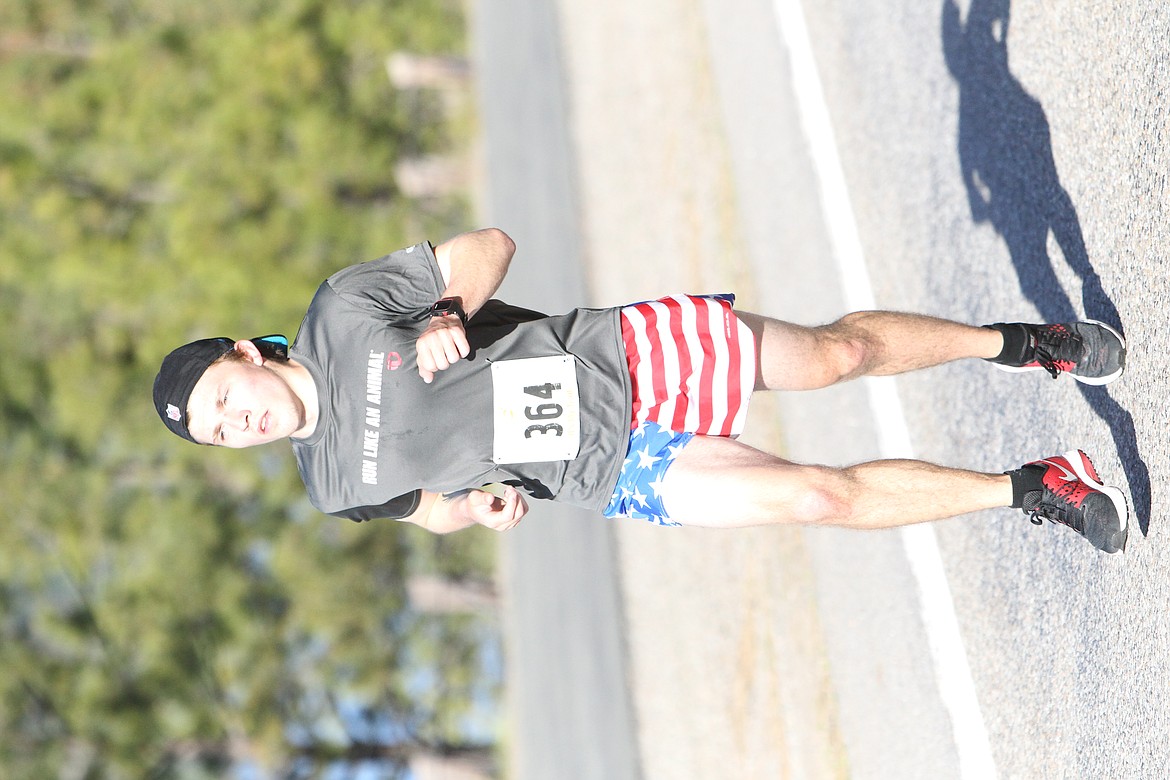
[[447, 306]]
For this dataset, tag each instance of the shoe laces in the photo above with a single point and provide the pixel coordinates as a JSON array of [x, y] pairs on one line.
[[1057, 349], [1057, 509]]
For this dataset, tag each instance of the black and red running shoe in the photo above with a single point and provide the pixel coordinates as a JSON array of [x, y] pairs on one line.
[[1089, 351], [1065, 489]]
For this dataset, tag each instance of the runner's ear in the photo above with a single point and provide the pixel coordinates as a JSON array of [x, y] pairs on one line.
[[250, 350]]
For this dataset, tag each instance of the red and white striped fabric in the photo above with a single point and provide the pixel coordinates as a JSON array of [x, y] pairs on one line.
[[692, 362]]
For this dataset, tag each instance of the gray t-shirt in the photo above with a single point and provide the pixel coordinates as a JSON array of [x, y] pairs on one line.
[[383, 433]]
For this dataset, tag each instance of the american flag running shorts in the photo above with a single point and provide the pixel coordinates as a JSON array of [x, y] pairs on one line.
[[693, 368], [692, 362]]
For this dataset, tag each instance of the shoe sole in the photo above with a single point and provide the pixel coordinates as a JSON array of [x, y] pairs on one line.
[[1085, 380], [1086, 472]]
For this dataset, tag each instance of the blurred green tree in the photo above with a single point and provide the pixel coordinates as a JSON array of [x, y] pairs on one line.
[[170, 170]]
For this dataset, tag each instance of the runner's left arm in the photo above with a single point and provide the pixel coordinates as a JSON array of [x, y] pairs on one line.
[[473, 265]]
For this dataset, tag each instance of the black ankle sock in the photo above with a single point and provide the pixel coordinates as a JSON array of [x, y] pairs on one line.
[[1024, 481], [1015, 343]]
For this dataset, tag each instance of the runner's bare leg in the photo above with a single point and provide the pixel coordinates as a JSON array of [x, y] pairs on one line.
[[718, 482], [873, 343]]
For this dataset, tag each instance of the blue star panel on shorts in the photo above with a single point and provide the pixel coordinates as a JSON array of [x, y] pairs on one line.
[[637, 494]]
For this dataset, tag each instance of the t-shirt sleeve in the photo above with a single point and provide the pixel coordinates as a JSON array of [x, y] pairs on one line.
[[398, 286], [398, 508]]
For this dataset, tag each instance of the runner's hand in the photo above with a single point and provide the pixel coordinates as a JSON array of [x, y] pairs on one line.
[[443, 342], [499, 514]]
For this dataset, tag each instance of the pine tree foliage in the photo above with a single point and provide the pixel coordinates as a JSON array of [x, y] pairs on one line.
[[171, 170]]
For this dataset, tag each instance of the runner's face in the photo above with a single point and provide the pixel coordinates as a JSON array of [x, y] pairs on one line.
[[242, 404]]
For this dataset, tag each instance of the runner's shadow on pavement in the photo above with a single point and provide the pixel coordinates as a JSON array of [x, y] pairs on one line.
[[1005, 151]]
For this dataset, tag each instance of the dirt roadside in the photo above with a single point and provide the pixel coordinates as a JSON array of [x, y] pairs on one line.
[[726, 662]]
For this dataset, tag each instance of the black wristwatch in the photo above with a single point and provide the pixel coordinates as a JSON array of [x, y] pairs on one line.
[[445, 307]]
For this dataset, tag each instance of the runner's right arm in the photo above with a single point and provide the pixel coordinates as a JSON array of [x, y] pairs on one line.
[[443, 513]]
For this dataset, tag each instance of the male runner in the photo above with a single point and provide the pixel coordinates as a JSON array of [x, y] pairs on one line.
[[409, 393]]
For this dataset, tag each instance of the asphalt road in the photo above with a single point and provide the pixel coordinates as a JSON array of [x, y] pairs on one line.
[[571, 715], [1005, 161]]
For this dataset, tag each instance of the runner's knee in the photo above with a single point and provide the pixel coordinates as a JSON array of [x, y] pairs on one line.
[[820, 499], [846, 349], [811, 495]]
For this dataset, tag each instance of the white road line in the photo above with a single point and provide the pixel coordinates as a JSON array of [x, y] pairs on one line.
[[953, 674]]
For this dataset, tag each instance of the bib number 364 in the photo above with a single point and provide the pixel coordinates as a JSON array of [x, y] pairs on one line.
[[536, 409]]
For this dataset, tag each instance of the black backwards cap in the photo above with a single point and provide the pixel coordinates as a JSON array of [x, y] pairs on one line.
[[182, 368]]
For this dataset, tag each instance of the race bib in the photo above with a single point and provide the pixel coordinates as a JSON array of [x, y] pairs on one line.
[[537, 412]]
